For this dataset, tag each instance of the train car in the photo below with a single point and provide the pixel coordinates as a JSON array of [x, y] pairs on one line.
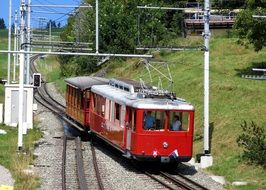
[[121, 111], [78, 98]]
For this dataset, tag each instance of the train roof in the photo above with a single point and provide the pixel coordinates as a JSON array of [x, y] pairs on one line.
[[134, 100], [85, 82]]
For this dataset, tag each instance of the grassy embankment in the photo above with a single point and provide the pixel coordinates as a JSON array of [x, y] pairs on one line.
[[232, 99], [9, 157]]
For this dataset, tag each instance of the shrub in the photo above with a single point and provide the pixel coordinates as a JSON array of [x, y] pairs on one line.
[[253, 140]]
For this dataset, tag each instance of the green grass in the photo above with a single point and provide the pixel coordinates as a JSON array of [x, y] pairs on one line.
[[15, 162], [232, 100]]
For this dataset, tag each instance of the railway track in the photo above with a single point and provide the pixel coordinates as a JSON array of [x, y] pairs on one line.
[[73, 174], [176, 181], [72, 169]]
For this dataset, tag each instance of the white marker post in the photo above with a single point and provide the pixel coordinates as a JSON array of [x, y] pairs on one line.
[[207, 159], [21, 98]]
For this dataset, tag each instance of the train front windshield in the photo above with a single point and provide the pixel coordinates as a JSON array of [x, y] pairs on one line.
[[169, 120]]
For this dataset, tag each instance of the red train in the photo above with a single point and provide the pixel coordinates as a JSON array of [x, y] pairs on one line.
[[135, 119]]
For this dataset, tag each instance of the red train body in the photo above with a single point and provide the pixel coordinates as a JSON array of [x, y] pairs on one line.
[[118, 111]]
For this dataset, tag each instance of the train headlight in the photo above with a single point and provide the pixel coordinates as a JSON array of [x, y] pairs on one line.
[[165, 145]]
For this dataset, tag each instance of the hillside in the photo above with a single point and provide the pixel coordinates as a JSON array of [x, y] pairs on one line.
[[233, 100]]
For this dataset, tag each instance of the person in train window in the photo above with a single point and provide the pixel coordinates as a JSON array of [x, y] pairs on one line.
[[149, 121], [176, 126]]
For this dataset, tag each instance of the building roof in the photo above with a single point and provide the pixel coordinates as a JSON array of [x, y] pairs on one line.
[[85, 82]]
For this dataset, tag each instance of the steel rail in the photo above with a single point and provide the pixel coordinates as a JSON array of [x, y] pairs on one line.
[[96, 168], [183, 184], [80, 166], [63, 171], [159, 181], [50, 96]]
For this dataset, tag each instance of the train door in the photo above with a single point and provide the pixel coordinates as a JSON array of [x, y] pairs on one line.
[[129, 120], [86, 105]]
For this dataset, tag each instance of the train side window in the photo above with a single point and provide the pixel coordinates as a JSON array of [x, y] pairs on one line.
[[87, 99], [153, 120], [134, 117], [103, 106], [178, 121], [94, 102], [112, 110], [107, 109], [117, 111]]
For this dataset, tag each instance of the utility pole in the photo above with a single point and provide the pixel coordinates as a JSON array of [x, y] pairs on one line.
[[28, 41], [15, 45], [206, 160], [9, 41], [50, 34], [21, 75], [97, 27], [21, 99]]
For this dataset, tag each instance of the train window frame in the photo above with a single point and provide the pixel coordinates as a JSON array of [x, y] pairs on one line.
[[159, 116], [107, 109], [112, 112], [134, 119], [117, 111], [87, 99], [184, 117], [94, 102]]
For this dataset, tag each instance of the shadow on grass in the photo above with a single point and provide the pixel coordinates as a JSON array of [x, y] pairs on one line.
[[248, 70]]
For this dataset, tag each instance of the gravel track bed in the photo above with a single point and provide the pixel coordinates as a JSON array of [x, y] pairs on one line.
[[199, 176], [88, 165], [49, 149], [71, 169], [116, 176]]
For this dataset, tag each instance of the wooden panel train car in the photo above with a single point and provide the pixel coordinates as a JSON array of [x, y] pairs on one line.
[[143, 123]]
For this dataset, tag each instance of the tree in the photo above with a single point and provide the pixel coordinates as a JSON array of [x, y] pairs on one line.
[[249, 29], [2, 24], [119, 29], [253, 141]]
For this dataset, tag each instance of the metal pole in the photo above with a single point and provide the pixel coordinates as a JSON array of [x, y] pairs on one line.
[[63, 6], [206, 36], [28, 41], [21, 98], [97, 27], [15, 45], [22, 30], [50, 33], [9, 41], [82, 54]]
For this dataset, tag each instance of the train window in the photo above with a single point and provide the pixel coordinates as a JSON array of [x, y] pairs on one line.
[[94, 102], [102, 106], [87, 99], [134, 116], [153, 120], [178, 121], [117, 111], [112, 111], [107, 111]]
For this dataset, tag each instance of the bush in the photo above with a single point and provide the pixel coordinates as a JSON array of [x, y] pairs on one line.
[[253, 140]]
